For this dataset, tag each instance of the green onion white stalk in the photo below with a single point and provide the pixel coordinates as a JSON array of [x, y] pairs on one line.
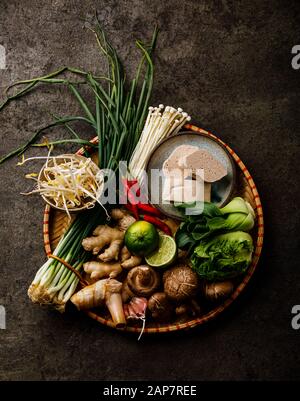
[[54, 283]]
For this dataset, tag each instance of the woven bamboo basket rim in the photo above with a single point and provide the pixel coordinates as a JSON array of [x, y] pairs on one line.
[[220, 308]]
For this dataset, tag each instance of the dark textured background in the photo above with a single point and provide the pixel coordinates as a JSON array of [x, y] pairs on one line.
[[228, 63]]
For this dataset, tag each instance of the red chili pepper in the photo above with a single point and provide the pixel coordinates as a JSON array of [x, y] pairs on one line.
[[123, 193], [131, 198], [149, 209], [158, 223], [128, 206], [134, 208], [137, 206], [129, 183], [129, 192]]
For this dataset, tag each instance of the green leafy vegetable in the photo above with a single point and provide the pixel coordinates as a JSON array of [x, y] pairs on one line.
[[215, 238], [224, 256], [237, 215], [238, 205]]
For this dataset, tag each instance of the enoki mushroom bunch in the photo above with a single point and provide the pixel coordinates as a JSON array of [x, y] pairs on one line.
[[69, 182], [161, 122]]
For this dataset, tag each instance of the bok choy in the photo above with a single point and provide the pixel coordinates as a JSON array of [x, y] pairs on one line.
[[237, 215], [216, 238]]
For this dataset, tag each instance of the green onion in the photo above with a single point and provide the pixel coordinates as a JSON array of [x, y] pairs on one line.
[[117, 120], [19, 151], [54, 284]]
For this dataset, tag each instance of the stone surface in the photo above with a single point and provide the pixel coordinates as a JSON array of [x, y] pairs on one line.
[[228, 63]]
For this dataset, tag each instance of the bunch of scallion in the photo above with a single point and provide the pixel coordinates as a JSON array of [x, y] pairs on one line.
[[117, 117]]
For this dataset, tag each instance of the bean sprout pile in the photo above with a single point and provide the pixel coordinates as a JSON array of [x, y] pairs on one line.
[[70, 182]]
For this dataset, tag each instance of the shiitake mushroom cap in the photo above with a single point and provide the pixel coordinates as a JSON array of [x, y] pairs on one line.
[[218, 290], [143, 280], [180, 283], [160, 306]]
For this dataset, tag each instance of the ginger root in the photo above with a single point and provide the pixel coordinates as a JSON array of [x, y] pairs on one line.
[[112, 238], [122, 218], [103, 236], [129, 261], [103, 292], [90, 296], [124, 254], [98, 270], [133, 261]]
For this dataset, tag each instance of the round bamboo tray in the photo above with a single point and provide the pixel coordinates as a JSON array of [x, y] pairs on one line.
[[55, 224]]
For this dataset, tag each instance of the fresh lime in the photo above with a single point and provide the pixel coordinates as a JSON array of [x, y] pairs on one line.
[[165, 254], [141, 238]]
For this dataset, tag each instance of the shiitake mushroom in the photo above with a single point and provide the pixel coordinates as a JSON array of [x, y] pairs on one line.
[[187, 310], [180, 283], [160, 307], [177, 299], [217, 291], [141, 281]]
